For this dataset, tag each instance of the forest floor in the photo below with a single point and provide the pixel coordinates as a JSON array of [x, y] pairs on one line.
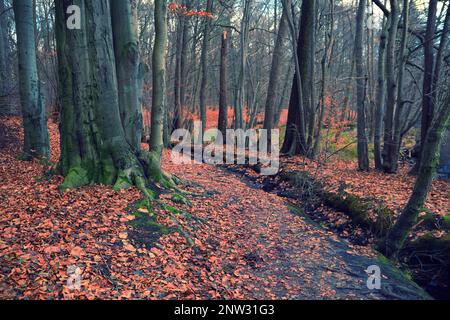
[[248, 244]]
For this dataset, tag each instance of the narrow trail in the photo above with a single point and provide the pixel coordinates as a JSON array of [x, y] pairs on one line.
[[289, 256], [250, 245]]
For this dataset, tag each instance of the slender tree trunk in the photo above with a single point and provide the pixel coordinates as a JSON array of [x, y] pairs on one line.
[[223, 104], [159, 84], [363, 154], [179, 70], [427, 92], [274, 77], [244, 35], [400, 103], [295, 140], [126, 47], [325, 65], [36, 140], [4, 50], [381, 96], [282, 99], [430, 157], [443, 45], [184, 58], [204, 63], [391, 81]]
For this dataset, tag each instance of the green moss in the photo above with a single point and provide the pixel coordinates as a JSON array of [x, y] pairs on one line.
[[358, 210], [123, 182], [446, 222], [428, 258], [108, 174], [24, 157], [76, 178], [180, 199], [296, 211], [148, 223], [171, 209], [432, 221], [153, 167]]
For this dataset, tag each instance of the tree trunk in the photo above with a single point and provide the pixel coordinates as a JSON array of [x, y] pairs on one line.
[[381, 97], [4, 50], [325, 66], [391, 81], [180, 68], [400, 103], [94, 148], [159, 85], [244, 35], [295, 140], [36, 140], [126, 47], [363, 154], [430, 157], [427, 93], [274, 77], [223, 104], [204, 63]]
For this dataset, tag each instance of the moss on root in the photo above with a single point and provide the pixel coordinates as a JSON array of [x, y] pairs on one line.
[[428, 258], [77, 177], [431, 221], [358, 210]]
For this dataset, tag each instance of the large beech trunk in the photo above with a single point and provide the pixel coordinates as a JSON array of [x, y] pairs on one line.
[[126, 47], [94, 148]]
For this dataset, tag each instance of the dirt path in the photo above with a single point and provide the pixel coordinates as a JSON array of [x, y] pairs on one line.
[[286, 256], [249, 246]]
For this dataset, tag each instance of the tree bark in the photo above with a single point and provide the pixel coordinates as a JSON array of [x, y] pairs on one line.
[[274, 77], [397, 138], [159, 83], [295, 140], [126, 48], [36, 140], [94, 148], [204, 63], [391, 82], [223, 104], [4, 50], [430, 157], [363, 154], [427, 93], [243, 53], [381, 97]]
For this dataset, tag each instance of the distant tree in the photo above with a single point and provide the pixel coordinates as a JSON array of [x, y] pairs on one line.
[[275, 72], [223, 91], [204, 64], [363, 153], [4, 49]]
